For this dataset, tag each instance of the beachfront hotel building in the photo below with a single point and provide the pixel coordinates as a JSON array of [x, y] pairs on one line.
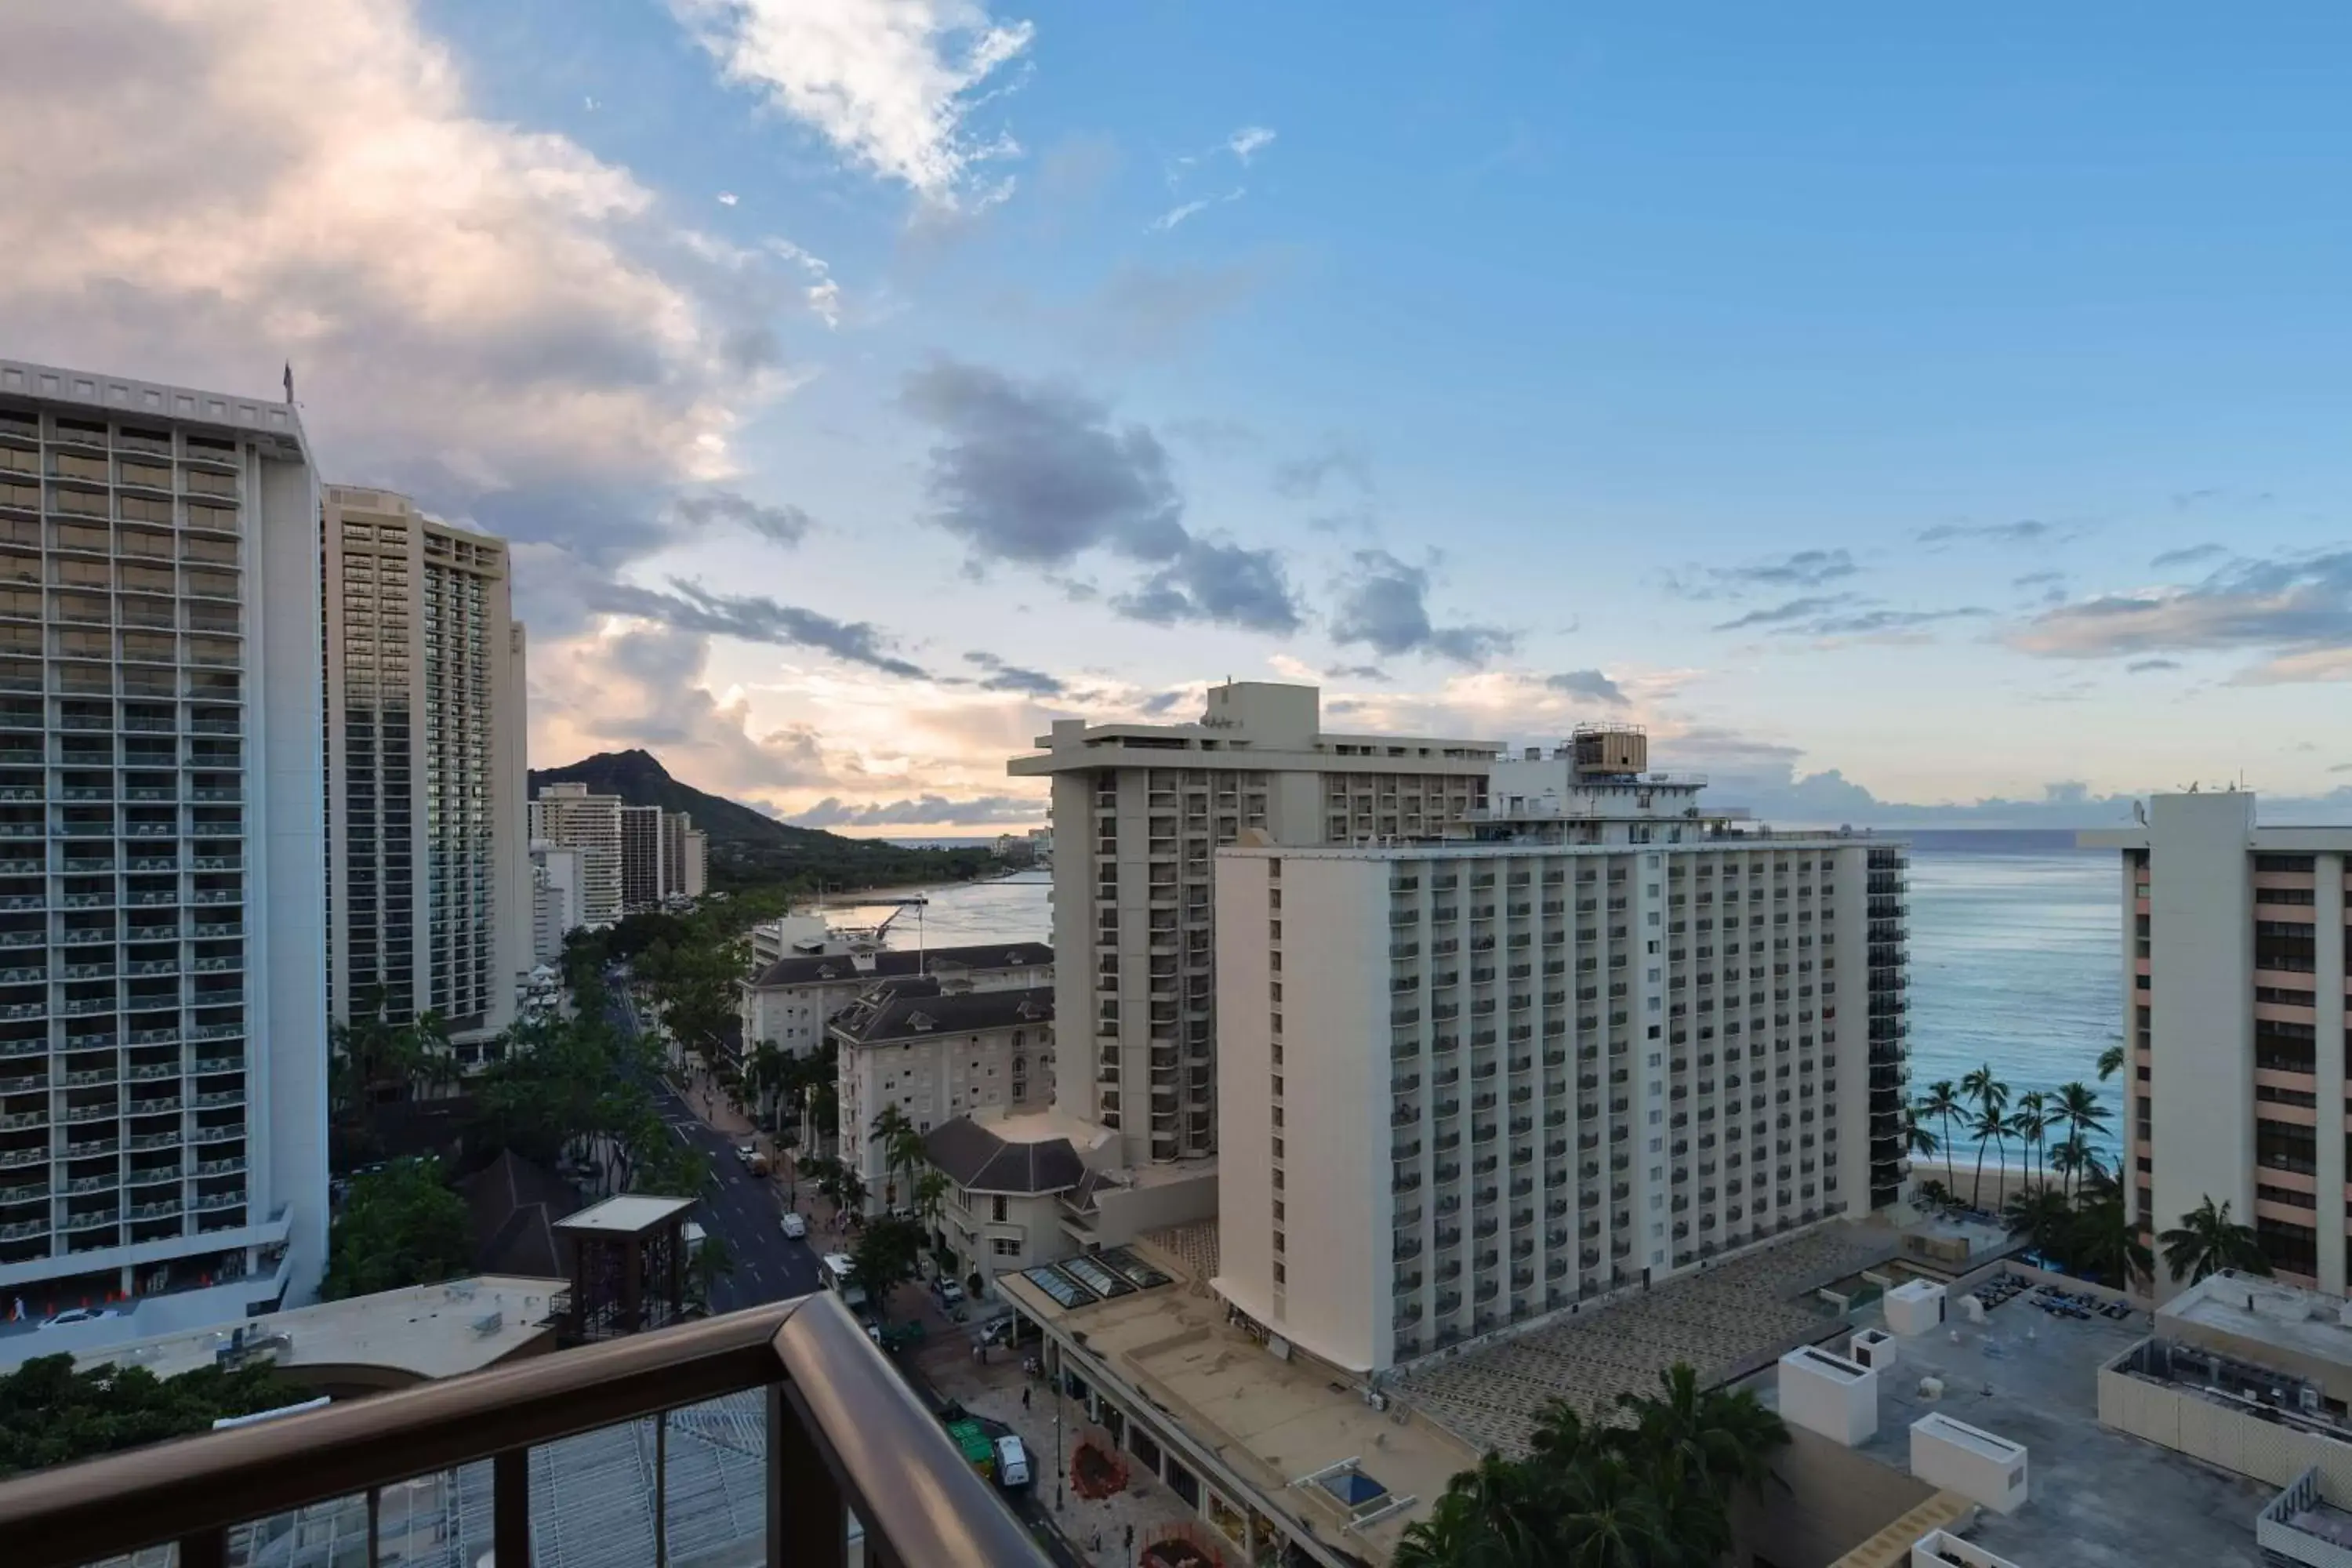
[[1138, 811], [1595, 1036], [163, 972], [2234, 986], [430, 904]]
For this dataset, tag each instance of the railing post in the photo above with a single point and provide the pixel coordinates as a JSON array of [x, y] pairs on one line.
[[205, 1549], [807, 1524], [511, 1506]]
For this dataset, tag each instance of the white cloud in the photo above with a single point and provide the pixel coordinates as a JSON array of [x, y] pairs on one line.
[[889, 83], [1177, 214], [452, 290], [727, 198], [1249, 142]]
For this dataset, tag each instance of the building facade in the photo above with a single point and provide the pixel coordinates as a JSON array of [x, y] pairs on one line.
[[685, 857], [162, 1004], [2233, 963], [567, 816], [792, 999], [936, 1053], [1138, 811], [641, 856], [555, 906], [1593, 1039], [429, 888]]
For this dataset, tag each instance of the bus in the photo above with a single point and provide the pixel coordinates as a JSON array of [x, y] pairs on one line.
[[835, 1268]]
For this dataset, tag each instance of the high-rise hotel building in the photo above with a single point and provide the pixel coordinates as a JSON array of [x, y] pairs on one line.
[[1593, 1037], [1139, 810], [429, 895], [566, 815], [163, 1009], [2234, 976]]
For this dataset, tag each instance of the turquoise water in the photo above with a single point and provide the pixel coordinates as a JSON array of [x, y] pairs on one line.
[[2014, 962]]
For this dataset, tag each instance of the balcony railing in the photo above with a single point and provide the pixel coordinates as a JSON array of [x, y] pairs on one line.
[[844, 1434]]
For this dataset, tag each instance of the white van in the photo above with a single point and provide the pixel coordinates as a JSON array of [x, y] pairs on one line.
[[1012, 1462]]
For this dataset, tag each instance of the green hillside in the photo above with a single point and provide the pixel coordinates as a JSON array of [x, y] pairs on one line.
[[750, 847]]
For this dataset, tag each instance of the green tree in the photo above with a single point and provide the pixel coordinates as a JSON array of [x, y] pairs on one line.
[[2043, 1215], [51, 1413], [2078, 1108], [399, 1226], [1942, 1102], [2105, 1245], [2207, 1241], [886, 1255], [1991, 1097], [1652, 1492], [2032, 1124], [902, 1146], [2111, 1061], [373, 1062], [1917, 1140]]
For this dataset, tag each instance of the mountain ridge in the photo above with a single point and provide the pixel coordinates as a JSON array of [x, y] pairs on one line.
[[748, 845]]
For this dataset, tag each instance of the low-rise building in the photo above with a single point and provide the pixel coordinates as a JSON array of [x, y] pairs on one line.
[[1011, 1176], [793, 998], [937, 1054]]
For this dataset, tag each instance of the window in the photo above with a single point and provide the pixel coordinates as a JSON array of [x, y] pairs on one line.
[[996, 1209], [1004, 1246]]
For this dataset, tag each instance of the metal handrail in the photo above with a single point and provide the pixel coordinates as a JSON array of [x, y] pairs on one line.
[[844, 1431]]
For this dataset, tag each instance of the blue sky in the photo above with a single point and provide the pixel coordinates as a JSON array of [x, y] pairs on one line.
[[1908, 417]]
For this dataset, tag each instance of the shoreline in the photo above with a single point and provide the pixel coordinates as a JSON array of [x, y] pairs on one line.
[[863, 898]]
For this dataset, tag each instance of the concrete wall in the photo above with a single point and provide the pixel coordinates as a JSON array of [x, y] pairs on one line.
[[1245, 1112], [2200, 903], [2246, 1445], [1833, 1500]]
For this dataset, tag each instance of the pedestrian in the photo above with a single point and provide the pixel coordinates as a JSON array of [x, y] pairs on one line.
[[1025, 1398], [1096, 1546], [1130, 1540]]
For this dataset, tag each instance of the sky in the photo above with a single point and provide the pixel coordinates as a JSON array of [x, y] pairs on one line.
[[1908, 417]]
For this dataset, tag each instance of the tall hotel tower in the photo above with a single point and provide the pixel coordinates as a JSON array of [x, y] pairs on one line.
[[163, 963]]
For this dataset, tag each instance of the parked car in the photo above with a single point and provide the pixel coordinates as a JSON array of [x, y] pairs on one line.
[[947, 1290], [80, 1315], [1012, 1462], [795, 1225]]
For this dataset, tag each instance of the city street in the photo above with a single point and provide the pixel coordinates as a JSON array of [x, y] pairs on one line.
[[745, 1211]]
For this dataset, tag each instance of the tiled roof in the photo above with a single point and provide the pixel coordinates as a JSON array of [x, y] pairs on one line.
[[978, 1160], [898, 963], [917, 1009]]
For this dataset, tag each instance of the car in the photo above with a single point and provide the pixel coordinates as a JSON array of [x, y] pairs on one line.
[[1012, 1462], [746, 1152], [795, 1225], [947, 1290], [80, 1315]]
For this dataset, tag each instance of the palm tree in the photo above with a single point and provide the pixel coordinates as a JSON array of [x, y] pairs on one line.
[[2111, 1061], [2079, 1109], [1917, 1140], [2031, 1123], [1991, 1096], [1713, 1439], [930, 1191], [2106, 1245], [2207, 1241], [902, 1145], [1987, 1127], [2042, 1216], [1943, 1100]]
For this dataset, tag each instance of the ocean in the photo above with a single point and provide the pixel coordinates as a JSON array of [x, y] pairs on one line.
[[2014, 953], [2014, 963]]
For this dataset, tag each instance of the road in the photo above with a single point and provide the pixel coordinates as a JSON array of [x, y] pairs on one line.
[[745, 1211]]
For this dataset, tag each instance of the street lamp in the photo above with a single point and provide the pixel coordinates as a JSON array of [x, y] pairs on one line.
[[1061, 1471]]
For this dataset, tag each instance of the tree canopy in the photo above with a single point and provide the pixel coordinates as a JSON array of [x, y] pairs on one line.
[[52, 1415], [398, 1227], [1653, 1491]]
